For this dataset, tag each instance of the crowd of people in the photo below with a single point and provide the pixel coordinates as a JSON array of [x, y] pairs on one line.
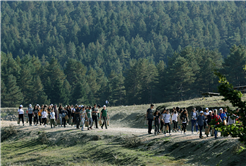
[[179, 118], [87, 116], [78, 115]]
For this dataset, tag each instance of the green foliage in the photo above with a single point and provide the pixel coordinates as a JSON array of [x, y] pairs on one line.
[[234, 96]]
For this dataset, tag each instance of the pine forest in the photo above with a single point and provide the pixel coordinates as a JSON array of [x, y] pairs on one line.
[[80, 52]]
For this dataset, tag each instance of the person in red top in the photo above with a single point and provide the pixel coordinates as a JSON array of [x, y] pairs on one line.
[[217, 118]]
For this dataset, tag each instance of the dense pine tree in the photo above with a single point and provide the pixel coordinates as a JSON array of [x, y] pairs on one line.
[[12, 96], [126, 52]]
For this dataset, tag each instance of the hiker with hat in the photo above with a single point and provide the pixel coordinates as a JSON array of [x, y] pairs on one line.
[[200, 121], [21, 114], [223, 116], [150, 117], [30, 114]]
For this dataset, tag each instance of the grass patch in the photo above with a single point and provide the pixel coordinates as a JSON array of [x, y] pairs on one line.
[[40, 151], [8, 132]]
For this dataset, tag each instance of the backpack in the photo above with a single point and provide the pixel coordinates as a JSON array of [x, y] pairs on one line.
[[63, 115]]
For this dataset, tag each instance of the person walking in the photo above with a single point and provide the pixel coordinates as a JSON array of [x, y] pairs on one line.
[[35, 112], [21, 114], [63, 114], [52, 118], [150, 117], [167, 120], [209, 118], [104, 115], [56, 113], [179, 119], [60, 114], [69, 114], [72, 114], [83, 117], [184, 119], [175, 120], [89, 117], [222, 115], [30, 114], [194, 116], [200, 121], [94, 115], [49, 111], [162, 122], [157, 121], [107, 103], [217, 119], [77, 116], [40, 114], [44, 116]]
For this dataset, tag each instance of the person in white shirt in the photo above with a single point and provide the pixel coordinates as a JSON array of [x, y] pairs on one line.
[[167, 119], [21, 114], [52, 118], [175, 120], [44, 116]]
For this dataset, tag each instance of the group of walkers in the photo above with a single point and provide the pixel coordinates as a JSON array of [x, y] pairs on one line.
[[78, 115], [180, 119]]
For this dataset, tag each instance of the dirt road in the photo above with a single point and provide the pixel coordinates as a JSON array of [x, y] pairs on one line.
[[114, 130]]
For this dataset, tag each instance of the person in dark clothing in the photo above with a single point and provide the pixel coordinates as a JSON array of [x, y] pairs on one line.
[[94, 115], [63, 114], [35, 111], [157, 121], [184, 119], [72, 115], [60, 114], [104, 115], [77, 117], [69, 114], [200, 121], [30, 114], [150, 117]]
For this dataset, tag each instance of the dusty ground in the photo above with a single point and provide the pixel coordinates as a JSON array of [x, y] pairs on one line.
[[185, 149]]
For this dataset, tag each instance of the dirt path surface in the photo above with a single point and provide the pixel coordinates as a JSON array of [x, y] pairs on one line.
[[177, 149], [115, 131]]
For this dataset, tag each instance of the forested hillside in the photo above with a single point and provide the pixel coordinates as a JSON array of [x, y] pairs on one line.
[[125, 52]]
